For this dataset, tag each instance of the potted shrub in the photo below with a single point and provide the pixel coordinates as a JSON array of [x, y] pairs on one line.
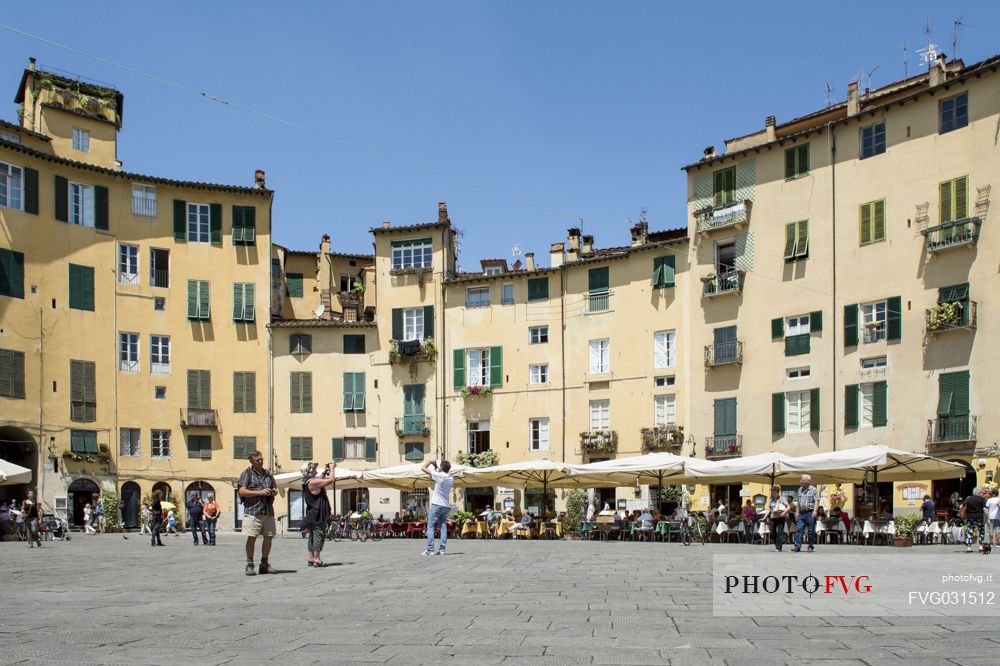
[[905, 525]]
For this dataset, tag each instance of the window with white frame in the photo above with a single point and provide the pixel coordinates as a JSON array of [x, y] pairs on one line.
[[198, 223], [81, 204], [538, 374], [600, 415], [663, 349], [478, 364], [413, 324], [477, 297], [798, 373], [347, 282], [867, 419], [875, 363], [797, 325], [128, 352], [797, 411], [538, 434], [81, 140], [412, 254], [664, 410], [159, 354], [478, 436], [666, 380], [600, 359], [354, 447], [507, 297], [538, 335], [159, 443], [493, 270], [873, 319], [11, 186], [129, 445], [143, 200], [128, 263]]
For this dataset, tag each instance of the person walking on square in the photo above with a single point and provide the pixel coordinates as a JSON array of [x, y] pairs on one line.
[[993, 517], [144, 515], [777, 510], [156, 519], [805, 513], [32, 519], [974, 507], [210, 520], [195, 511], [257, 489], [88, 519], [171, 522], [317, 508], [437, 514]]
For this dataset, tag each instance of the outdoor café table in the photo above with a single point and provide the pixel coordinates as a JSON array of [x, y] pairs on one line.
[[416, 529], [555, 526], [875, 528], [503, 528], [483, 529], [586, 527], [828, 525], [469, 528]]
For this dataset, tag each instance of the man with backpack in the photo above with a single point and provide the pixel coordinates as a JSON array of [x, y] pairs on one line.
[[195, 511], [257, 490]]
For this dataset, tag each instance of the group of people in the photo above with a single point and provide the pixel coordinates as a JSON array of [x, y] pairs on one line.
[[981, 511], [93, 517], [203, 517]]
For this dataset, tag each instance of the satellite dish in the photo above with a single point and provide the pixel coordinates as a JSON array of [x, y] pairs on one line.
[[320, 310]]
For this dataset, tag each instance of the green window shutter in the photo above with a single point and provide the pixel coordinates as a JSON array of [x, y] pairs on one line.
[[789, 162], [62, 199], [960, 386], [90, 390], [354, 344], [215, 222], [239, 390], [428, 321], [204, 311], [790, 230], [778, 413], [295, 392], [880, 415], [30, 191], [14, 384], [295, 449], [538, 289], [458, 357], [371, 448], [205, 388], [894, 318], [250, 391], [74, 287], [658, 280], [796, 345], [100, 207], [87, 281], [193, 387], [597, 279], [496, 366], [670, 270], [249, 296], [777, 328], [816, 321], [397, 323], [237, 301], [76, 390], [865, 224], [293, 282], [348, 404], [814, 410], [878, 220], [11, 273], [359, 391], [718, 187], [945, 202], [180, 219], [961, 198], [851, 325], [338, 448], [946, 393], [192, 299], [851, 406], [804, 158], [307, 393], [802, 239]]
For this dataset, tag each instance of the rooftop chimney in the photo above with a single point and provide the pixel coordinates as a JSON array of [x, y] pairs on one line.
[[385, 224], [640, 233], [556, 254], [769, 128], [324, 244], [588, 244], [574, 238], [853, 101], [529, 260], [258, 180], [31, 64], [709, 153], [324, 276], [442, 211], [939, 70]]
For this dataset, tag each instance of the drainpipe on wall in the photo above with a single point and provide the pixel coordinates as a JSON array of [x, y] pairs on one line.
[[41, 405], [562, 351], [270, 337], [833, 226]]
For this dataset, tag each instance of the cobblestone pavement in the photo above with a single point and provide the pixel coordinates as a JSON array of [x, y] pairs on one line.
[[105, 600]]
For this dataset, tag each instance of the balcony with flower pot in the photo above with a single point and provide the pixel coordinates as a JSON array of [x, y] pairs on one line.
[[412, 351], [413, 425], [662, 439], [953, 316], [735, 214], [599, 441], [723, 283], [956, 233], [723, 446]]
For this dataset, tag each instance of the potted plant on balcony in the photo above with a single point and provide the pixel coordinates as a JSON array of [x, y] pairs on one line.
[[709, 278], [904, 526], [476, 391], [945, 314]]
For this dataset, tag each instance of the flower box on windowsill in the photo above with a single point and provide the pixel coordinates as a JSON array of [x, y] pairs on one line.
[[477, 391], [410, 271], [668, 438], [424, 351], [599, 441]]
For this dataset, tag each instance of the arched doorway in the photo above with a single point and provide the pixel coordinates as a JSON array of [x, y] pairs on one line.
[[949, 493], [130, 504], [164, 488], [18, 447], [201, 488], [80, 493]]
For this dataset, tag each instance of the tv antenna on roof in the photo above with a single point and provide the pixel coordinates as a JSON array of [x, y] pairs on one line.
[[829, 91], [928, 55], [870, 78], [954, 37], [906, 61], [515, 251]]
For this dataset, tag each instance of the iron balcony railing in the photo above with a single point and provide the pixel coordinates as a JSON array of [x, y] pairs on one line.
[[413, 424], [599, 301], [724, 446], [161, 278], [945, 429], [599, 441], [729, 282], [951, 316], [952, 234], [199, 418], [723, 216], [723, 353], [662, 438], [143, 206]]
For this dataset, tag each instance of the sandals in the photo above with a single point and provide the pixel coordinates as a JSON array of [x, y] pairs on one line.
[[318, 565]]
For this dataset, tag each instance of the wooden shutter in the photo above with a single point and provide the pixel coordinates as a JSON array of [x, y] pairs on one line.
[[348, 402], [62, 199], [293, 282], [880, 415], [215, 222], [205, 388], [359, 391], [338, 448], [100, 207], [458, 357], [12, 373], [851, 406], [597, 279], [894, 318], [960, 387], [295, 392], [878, 220], [30, 191], [729, 184], [814, 410], [204, 311], [816, 321], [428, 321], [778, 413], [74, 286], [851, 325], [397, 323], [718, 186], [90, 391], [670, 270], [180, 220], [194, 389], [295, 449], [777, 328], [237, 301], [865, 224], [730, 416], [790, 229], [496, 366], [961, 198], [371, 448], [796, 345], [239, 393], [803, 165], [789, 162], [13, 269], [307, 393], [77, 376], [802, 239], [538, 289], [192, 299], [249, 295], [946, 393], [87, 283], [719, 417], [250, 391]]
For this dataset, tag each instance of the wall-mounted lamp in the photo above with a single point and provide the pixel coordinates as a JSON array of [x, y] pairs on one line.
[[982, 463]]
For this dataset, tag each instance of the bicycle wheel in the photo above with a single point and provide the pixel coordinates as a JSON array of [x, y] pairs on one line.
[[364, 534], [376, 534], [355, 534]]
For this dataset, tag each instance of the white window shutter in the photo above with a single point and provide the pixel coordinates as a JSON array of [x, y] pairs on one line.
[[595, 356]]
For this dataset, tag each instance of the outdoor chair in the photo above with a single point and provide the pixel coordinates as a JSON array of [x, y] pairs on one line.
[[738, 530], [548, 531], [644, 531], [763, 533]]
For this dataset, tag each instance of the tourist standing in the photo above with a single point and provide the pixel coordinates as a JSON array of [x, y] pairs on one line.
[[156, 519], [171, 522], [974, 507], [927, 510], [317, 508], [440, 503], [806, 509], [257, 490], [32, 519], [195, 513], [88, 519], [993, 517], [144, 515], [210, 520], [99, 515], [777, 511]]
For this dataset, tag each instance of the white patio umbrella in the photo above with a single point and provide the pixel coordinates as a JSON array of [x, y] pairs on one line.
[[346, 478], [760, 468], [648, 469], [407, 477], [11, 473], [542, 474]]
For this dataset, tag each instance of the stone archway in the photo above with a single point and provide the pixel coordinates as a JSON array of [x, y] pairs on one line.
[[81, 492], [130, 503], [164, 488], [18, 447]]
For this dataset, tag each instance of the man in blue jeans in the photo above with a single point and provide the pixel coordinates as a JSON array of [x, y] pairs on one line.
[[805, 513], [440, 505]]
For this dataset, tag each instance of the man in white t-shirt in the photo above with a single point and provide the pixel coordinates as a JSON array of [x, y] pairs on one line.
[[993, 518], [437, 513]]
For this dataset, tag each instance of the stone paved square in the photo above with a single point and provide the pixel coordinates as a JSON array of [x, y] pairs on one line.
[[105, 600]]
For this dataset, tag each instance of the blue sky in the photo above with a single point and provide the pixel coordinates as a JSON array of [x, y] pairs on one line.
[[541, 112]]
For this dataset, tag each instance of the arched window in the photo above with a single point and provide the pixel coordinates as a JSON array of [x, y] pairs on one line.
[[163, 488], [201, 488]]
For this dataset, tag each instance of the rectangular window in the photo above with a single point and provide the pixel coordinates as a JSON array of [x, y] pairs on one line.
[[477, 297], [299, 344], [300, 384], [872, 140], [798, 373], [243, 447], [507, 294], [159, 443], [664, 272], [478, 364], [199, 447], [81, 287], [797, 240], [538, 434], [797, 161], [867, 405], [664, 410], [663, 349], [662, 382], [872, 222], [600, 357], [538, 289], [347, 282], [81, 205], [83, 391], [129, 445], [354, 391], [198, 301], [159, 268], [293, 282], [354, 447], [199, 389], [538, 374], [244, 392], [11, 186], [797, 411], [354, 344], [11, 373], [416, 253], [244, 225], [160, 393], [413, 324], [724, 186], [954, 113], [598, 290], [128, 264], [83, 441], [954, 199], [159, 354], [493, 270], [243, 301], [128, 352], [725, 417], [874, 363], [81, 140], [873, 321], [143, 200], [478, 436], [600, 415], [797, 325], [538, 335], [11, 273], [198, 223], [301, 448]]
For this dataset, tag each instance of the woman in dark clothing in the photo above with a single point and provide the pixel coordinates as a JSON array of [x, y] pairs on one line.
[[156, 519], [317, 508]]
